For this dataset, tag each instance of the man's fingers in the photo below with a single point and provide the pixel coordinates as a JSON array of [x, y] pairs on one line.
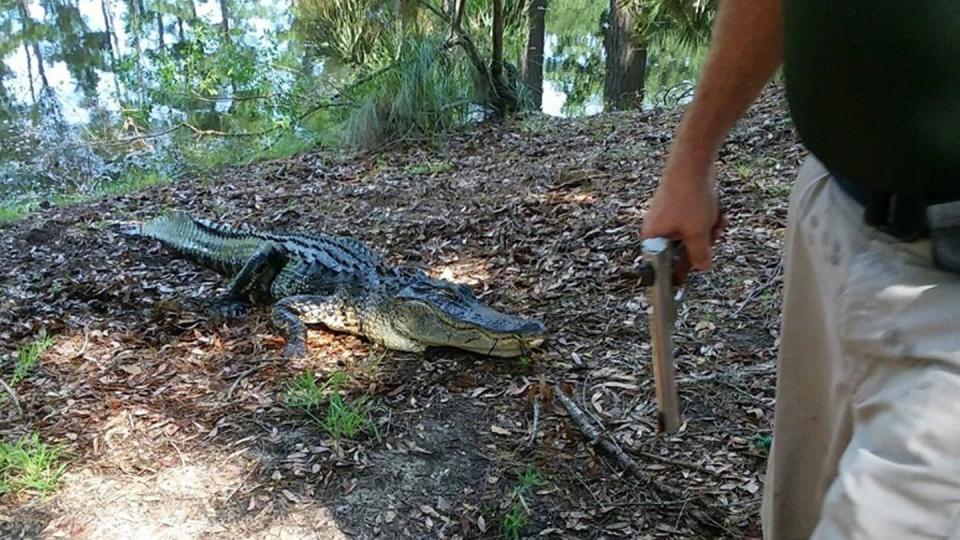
[[719, 227], [681, 267], [698, 251]]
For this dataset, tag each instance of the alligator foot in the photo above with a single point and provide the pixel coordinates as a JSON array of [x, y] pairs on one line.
[[294, 330], [227, 308], [295, 350]]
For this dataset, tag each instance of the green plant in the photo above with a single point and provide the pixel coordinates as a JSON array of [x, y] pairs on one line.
[[423, 91], [29, 464], [10, 212], [529, 479], [28, 356], [346, 419], [343, 419], [743, 170], [515, 519], [429, 167], [305, 393]]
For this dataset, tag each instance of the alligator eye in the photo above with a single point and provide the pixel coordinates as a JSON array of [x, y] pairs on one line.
[[447, 294]]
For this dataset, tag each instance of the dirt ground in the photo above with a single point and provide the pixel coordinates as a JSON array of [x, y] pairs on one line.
[[175, 427]]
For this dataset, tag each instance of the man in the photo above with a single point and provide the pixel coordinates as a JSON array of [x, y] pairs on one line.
[[867, 424]]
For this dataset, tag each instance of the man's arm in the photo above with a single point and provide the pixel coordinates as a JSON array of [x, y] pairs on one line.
[[746, 49]]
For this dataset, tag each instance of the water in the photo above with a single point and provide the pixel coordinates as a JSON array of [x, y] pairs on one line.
[[77, 76]]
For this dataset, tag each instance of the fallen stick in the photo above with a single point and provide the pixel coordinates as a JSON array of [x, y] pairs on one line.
[[536, 421], [583, 422], [588, 428], [13, 397]]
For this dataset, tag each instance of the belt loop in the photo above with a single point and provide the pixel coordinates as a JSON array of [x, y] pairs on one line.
[[876, 209], [907, 217]]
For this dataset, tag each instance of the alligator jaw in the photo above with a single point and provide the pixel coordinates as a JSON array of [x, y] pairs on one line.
[[438, 313]]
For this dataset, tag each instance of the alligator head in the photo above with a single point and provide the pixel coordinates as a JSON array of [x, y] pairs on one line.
[[436, 313]]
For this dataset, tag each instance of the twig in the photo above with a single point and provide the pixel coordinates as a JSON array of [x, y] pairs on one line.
[[13, 397], [680, 463], [536, 421], [239, 378], [183, 461], [582, 421], [586, 426], [759, 290], [216, 99], [240, 484], [140, 137]]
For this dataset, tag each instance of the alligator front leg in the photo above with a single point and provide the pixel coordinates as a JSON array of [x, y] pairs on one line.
[[292, 314], [252, 282], [257, 274]]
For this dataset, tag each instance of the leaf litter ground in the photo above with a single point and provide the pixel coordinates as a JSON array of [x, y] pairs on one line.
[[175, 424]]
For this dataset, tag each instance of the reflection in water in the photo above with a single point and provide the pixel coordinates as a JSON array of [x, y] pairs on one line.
[[92, 71]]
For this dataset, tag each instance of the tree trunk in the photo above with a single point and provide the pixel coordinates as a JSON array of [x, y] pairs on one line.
[[28, 26], [406, 14], [225, 15], [160, 29], [531, 70], [111, 37], [180, 29], [626, 61], [107, 7], [33, 93], [135, 28], [496, 60], [504, 98]]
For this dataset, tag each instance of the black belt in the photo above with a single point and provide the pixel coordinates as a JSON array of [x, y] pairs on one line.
[[901, 215]]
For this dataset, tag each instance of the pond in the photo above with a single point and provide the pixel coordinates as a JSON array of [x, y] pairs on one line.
[[89, 88]]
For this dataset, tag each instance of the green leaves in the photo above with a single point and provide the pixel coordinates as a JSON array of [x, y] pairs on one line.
[[687, 21]]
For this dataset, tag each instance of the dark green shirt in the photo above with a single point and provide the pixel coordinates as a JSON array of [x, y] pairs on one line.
[[874, 89]]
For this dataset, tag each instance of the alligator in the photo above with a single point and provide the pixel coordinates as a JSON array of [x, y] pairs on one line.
[[336, 281]]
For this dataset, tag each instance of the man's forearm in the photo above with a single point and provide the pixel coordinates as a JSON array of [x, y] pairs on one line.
[[746, 49]]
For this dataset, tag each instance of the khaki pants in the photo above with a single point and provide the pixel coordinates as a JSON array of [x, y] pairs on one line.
[[867, 426]]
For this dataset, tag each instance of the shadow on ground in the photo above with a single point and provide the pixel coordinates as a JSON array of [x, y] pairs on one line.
[[176, 427]]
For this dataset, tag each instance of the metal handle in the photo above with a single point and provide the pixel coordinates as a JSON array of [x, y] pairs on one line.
[[659, 253]]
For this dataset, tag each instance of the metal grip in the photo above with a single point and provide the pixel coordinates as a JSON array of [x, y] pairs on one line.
[[658, 253]]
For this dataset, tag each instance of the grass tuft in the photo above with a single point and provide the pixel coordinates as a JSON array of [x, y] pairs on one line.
[[515, 519], [29, 464], [429, 168], [305, 393], [343, 419], [422, 92], [346, 420], [10, 212], [28, 356]]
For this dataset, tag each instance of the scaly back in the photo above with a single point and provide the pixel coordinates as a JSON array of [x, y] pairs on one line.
[[225, 249], [219, 248]]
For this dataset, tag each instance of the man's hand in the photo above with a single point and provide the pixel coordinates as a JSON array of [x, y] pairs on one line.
[[746, 50], [685, 208]]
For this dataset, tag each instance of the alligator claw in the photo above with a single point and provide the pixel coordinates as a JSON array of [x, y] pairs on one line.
[[295, 350], [226, 308]]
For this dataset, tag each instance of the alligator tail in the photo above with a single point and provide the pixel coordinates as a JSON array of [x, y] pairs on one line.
[[219, 248]]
